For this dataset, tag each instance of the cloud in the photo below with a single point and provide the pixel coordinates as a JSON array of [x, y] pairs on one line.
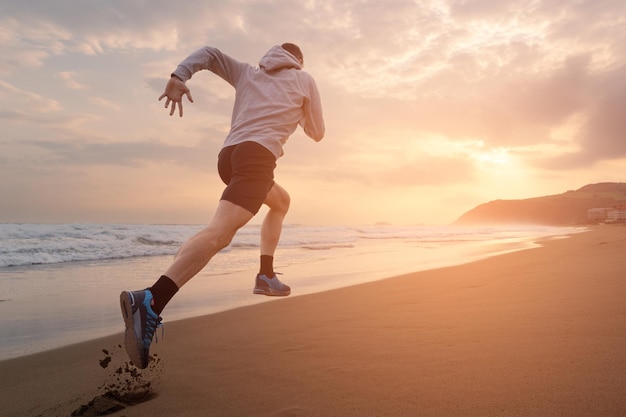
[[26, 43], [32, 31], [69, 78], [429, 171], [16, 97], [104, 103], [409, 88], [129, 154], [602, 134]]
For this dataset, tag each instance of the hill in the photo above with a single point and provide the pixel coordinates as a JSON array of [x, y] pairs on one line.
[[569, 208]]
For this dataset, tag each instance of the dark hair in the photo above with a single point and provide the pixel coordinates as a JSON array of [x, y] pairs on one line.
[[294, 50]]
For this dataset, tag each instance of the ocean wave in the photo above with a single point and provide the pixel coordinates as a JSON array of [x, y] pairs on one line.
[[155, 242], [37, 244], [40, 244], [327, 247]]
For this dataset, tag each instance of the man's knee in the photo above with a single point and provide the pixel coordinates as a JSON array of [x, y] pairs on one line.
[[216, 238], [285, 201], [280, 200], [227, 220]]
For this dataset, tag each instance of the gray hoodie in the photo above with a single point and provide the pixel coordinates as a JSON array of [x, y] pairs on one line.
[[270, 100]]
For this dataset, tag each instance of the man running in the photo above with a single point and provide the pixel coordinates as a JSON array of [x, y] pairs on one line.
[[271, 100]]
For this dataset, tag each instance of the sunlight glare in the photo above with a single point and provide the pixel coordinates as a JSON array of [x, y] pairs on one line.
[[498, 156]]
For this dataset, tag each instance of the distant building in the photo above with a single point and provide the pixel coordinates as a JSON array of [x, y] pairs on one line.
[[616, 215], [607, 215], [597, 214]]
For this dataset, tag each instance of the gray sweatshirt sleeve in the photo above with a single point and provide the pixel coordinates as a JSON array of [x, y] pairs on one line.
[[313, 119], [212, 59]]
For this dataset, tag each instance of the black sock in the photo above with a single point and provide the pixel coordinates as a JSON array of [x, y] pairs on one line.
[[163, 290], [267, 266]]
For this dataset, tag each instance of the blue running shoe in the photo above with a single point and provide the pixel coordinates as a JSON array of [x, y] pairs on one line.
[[141, 323], [270, 286]]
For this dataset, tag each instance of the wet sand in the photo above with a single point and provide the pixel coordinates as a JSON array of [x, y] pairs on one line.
[[539, 332]]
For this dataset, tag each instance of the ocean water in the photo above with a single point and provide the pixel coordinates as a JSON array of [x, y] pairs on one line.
[[59, 283]]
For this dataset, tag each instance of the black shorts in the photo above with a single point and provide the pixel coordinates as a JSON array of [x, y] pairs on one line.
[[247, 169]]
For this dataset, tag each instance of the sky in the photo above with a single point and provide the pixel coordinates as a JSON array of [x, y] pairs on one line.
[[431, 107]]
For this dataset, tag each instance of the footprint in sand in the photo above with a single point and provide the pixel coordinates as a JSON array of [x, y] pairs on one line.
[[127, 386]]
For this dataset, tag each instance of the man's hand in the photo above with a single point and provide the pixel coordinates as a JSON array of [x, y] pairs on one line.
[[174, 91]]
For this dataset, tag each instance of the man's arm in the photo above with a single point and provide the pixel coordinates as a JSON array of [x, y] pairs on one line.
[[207, 58], [212, 59], [313, 120]]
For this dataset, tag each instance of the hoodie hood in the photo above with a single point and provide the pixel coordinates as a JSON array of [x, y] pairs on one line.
[[278, 58]]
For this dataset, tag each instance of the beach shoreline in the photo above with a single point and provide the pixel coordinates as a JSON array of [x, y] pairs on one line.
[[59, 304], [536, 332]]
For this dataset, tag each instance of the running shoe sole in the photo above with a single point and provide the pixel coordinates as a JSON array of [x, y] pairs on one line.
[[270, 292], [133, 345]]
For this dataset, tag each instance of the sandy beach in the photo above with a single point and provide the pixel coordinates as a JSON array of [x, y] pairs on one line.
[[539, 332]]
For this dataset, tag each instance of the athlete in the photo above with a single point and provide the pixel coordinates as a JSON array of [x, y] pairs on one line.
[[271, 100]]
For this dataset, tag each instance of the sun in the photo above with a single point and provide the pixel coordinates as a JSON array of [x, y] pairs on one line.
[[489, 157], [497, 156]]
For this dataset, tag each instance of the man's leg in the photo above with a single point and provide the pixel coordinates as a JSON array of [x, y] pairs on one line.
[[141, 309], [278, 202], [200, 248], [266, 281]]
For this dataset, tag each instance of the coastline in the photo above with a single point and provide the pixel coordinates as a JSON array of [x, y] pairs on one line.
[[535, 332], [55, 305]]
